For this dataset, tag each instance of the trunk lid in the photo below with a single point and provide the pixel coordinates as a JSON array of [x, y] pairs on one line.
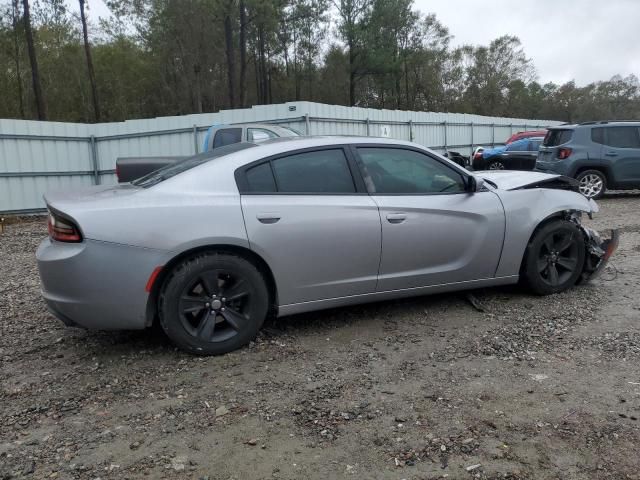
[[68, 201]]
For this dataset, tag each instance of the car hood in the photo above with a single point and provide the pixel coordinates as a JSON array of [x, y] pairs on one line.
[[515, 179]]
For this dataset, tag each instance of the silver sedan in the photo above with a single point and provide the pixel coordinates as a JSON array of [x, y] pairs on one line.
[[211, 246]]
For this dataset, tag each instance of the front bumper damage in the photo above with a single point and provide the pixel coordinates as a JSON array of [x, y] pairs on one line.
[[598, 251]]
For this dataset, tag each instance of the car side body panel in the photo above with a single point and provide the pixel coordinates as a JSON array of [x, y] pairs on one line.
[[317, 246], [130, 231], [442, 239], [111, 297]]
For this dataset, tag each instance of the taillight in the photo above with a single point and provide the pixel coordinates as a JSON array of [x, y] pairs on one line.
[[564, 153], [63, 230], [477, 156]]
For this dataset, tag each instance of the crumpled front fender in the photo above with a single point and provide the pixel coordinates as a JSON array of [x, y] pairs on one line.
[[597, 250]]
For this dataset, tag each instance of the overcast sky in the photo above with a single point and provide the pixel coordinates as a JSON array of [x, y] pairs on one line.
[[581, 40]]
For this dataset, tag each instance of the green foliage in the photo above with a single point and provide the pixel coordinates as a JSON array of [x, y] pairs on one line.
[[169, 57]]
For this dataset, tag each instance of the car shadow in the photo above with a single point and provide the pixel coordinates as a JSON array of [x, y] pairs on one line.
[[154, 341]]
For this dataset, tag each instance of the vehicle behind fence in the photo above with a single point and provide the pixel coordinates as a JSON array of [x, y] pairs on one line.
[[36, 157]]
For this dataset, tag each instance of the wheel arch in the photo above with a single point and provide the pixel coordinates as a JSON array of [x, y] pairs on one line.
[[553, 217], [246, 253], [606, 171]]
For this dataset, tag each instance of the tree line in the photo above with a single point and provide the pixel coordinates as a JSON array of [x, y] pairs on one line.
[[169, 57]]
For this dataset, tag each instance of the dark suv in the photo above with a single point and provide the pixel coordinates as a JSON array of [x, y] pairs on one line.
[[600, 155]]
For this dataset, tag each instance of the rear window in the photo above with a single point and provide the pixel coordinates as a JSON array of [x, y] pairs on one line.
[[557, 137], [174, 169]]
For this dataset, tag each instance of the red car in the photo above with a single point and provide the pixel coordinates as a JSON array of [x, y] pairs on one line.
[[529, 134]]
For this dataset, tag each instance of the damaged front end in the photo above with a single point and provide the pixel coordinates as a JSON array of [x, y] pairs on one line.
[[597, 250]]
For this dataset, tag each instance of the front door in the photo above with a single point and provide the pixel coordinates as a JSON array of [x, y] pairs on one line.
[[316, 228], [433, 231]]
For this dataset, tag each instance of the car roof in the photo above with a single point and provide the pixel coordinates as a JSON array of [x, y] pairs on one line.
[[268, 126], [602, 123]]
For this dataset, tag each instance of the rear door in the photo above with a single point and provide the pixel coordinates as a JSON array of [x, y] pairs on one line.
[[433, 231], [622, 152], [313, 222]]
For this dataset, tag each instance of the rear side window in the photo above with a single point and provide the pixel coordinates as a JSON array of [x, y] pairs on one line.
[[622, 137], [227, 136], [555, 137], [260, 179], [324, 171], [597, 135]]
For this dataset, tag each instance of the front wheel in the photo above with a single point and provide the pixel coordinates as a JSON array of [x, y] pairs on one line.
[[213, 303], [592, 183], [496, 165], [554, 258]]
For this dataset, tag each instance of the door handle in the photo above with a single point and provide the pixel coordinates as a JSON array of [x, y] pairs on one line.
[[268, 218], [396, 217], [611, 154]]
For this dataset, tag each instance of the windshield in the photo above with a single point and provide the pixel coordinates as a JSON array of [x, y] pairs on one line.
[[180, 166]]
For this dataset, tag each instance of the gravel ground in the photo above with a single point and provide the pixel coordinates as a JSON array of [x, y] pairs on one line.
[[424, 388]]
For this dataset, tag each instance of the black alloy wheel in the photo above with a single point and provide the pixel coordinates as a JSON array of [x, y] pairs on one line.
[[554, 258], [213, 303]]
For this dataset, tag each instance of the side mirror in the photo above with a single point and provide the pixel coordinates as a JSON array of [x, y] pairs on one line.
[[475, 184]]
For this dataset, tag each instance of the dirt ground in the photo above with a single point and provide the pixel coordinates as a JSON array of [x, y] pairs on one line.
[[426, 388]]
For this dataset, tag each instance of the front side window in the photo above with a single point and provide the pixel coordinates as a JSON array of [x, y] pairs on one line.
[[257, 135], [400, 171], [227, 136], [623, 137]]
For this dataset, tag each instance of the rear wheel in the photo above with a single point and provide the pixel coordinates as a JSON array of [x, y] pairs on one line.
[[496, 165], [213, 303], [592, 183], [554, 258]]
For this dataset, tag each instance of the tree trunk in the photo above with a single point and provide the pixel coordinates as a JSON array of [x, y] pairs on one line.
[[352, 76], [263, 65], [16, 46], [243, 54], [87, 51], [231, 59], [198, 88], [35, 74]]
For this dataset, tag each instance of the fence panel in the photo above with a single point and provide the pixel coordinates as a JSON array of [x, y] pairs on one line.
[[36, 157]]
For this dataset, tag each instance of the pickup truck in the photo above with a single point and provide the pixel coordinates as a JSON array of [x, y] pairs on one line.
[[131, 168]]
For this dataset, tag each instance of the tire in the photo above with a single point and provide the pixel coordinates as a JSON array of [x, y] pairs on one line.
[[213, 303], [556, 247], [496, 165], [592, 183]]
